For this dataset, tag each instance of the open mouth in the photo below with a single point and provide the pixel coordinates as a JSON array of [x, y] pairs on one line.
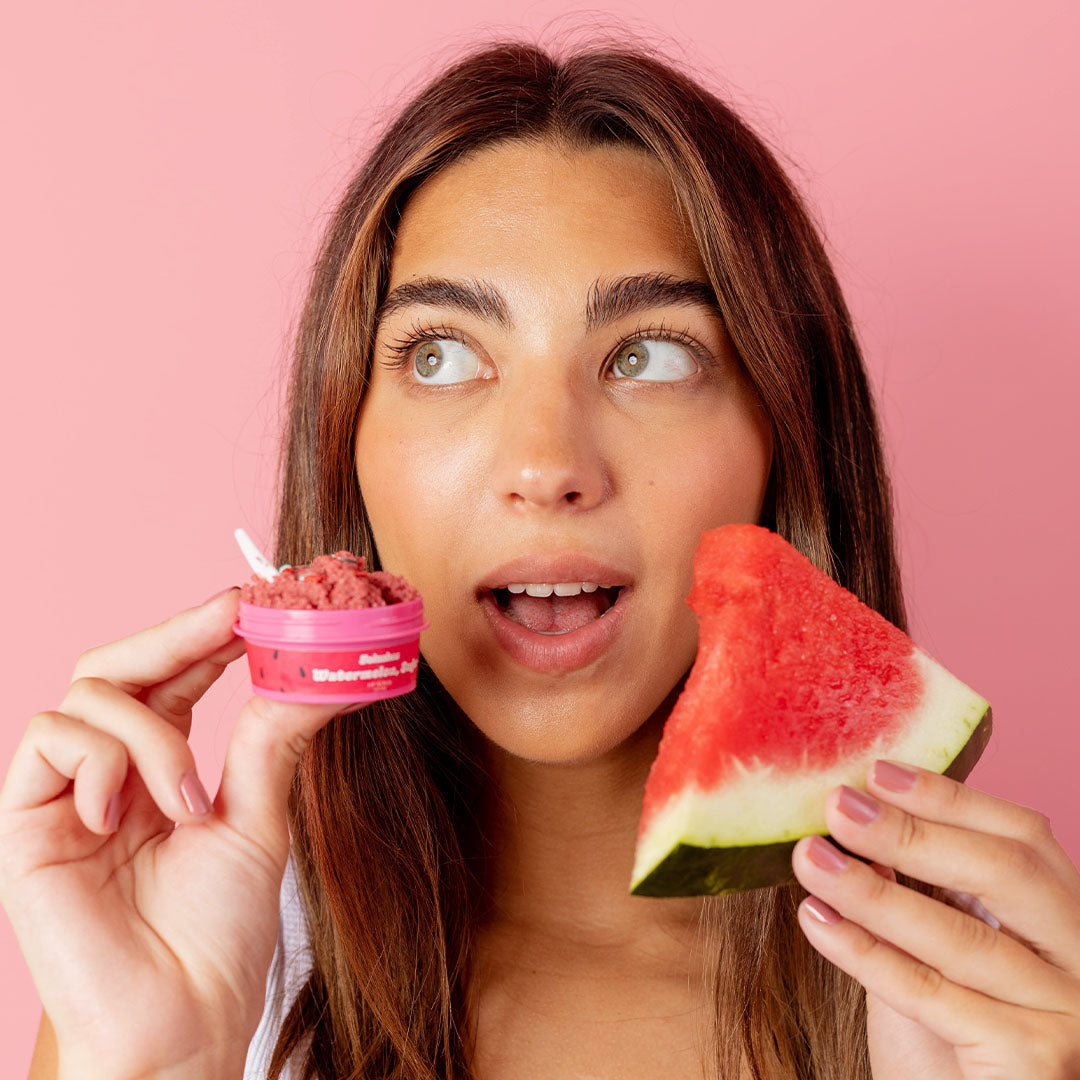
[[554, 615]]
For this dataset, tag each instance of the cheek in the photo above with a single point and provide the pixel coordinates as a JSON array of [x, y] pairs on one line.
[[738, 473], [413, 483], [714, 471]]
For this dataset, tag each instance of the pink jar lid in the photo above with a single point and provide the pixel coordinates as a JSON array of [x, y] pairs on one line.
[[331, 627]]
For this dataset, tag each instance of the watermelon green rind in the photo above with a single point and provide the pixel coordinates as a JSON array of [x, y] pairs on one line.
[[741, 836], [961, 765], [690, 870]]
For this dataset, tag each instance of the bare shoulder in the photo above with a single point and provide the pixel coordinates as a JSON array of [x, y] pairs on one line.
[[44, 1065]]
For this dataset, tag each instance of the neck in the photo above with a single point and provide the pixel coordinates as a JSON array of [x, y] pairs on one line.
[[563, 838]]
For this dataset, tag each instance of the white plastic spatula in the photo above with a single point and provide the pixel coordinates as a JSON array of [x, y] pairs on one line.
[[256, 559]]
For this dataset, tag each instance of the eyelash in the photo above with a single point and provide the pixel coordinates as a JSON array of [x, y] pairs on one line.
[[404, 348]]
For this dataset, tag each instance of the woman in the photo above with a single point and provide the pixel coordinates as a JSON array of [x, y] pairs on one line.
[[569, 314]]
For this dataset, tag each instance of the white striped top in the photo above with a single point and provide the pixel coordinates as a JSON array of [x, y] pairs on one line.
[[289, 970]]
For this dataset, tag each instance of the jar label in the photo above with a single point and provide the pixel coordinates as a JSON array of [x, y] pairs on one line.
[[373, 670]]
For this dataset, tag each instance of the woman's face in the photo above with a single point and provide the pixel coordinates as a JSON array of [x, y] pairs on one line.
[[546, 418]]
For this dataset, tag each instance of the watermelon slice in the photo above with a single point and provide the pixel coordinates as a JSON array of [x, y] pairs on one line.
[[797, 687]]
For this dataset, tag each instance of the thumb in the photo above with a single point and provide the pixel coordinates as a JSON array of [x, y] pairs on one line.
[[267, 742]]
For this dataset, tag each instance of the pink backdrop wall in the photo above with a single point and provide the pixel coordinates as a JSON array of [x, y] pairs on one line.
[[168, 169]]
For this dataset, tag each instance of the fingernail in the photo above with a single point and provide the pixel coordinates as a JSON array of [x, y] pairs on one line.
[[857, 806], [112, 813], [195, 797], [821, 911], [217, 594], [892, 776], [824, 855]]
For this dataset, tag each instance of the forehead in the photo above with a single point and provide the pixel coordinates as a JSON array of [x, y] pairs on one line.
[[536, 210]]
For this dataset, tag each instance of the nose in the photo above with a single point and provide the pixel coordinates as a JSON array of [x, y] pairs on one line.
[[546, 453]]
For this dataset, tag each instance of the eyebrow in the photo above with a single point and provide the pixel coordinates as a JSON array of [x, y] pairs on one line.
[[608, 300]]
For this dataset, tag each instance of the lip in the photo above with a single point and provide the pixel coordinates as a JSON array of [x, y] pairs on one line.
[[555, 655], [548, 568]]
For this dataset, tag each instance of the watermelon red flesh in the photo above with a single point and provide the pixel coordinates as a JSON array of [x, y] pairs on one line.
[[796, 688]]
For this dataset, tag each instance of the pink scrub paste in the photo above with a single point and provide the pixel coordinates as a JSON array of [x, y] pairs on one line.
[[329, 582]]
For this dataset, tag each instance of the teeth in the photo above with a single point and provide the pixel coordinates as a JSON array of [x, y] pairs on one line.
[[563, 588]]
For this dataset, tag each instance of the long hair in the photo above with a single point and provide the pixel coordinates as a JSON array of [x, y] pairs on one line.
[[387, 846]]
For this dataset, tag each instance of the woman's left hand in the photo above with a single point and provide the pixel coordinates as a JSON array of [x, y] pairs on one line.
[[951, 993]]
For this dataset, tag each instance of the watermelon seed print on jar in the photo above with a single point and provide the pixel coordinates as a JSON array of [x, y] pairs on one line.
[[331, 632]]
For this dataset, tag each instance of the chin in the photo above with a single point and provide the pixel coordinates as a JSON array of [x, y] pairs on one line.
[[576, 729]]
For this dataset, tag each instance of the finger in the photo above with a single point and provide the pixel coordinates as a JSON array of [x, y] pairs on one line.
[[267, 743], [939, 798], [957, 1014], [1006, 875], [962, 901], [965, 902], [174, 698], [158, 751], [160, 652], [57, 749], [964, 949]]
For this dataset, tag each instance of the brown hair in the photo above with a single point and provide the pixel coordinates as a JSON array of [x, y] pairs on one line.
[[387, 847]]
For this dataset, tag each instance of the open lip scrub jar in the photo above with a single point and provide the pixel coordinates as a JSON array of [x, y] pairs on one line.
[[366, 649]]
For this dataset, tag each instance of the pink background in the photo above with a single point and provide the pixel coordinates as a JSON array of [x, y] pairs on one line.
[[168, 170]]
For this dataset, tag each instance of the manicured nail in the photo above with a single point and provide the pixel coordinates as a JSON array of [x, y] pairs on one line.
[[195, 797], [821, 911], [112, 813], [825, 856], [892, 776], [857, 806], [217, 594]]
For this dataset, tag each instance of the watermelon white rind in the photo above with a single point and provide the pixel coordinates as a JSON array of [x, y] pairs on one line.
[[793, 665], [715, 866]]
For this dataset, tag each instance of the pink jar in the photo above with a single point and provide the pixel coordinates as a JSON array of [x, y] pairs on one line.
[[332, 655]]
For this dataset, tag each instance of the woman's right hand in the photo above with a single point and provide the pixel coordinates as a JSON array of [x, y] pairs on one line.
[[150, 945]]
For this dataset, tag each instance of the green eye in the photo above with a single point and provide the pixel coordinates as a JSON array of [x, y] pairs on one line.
[[665, 360], [437, 357], [633, 359], [429, 359]]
